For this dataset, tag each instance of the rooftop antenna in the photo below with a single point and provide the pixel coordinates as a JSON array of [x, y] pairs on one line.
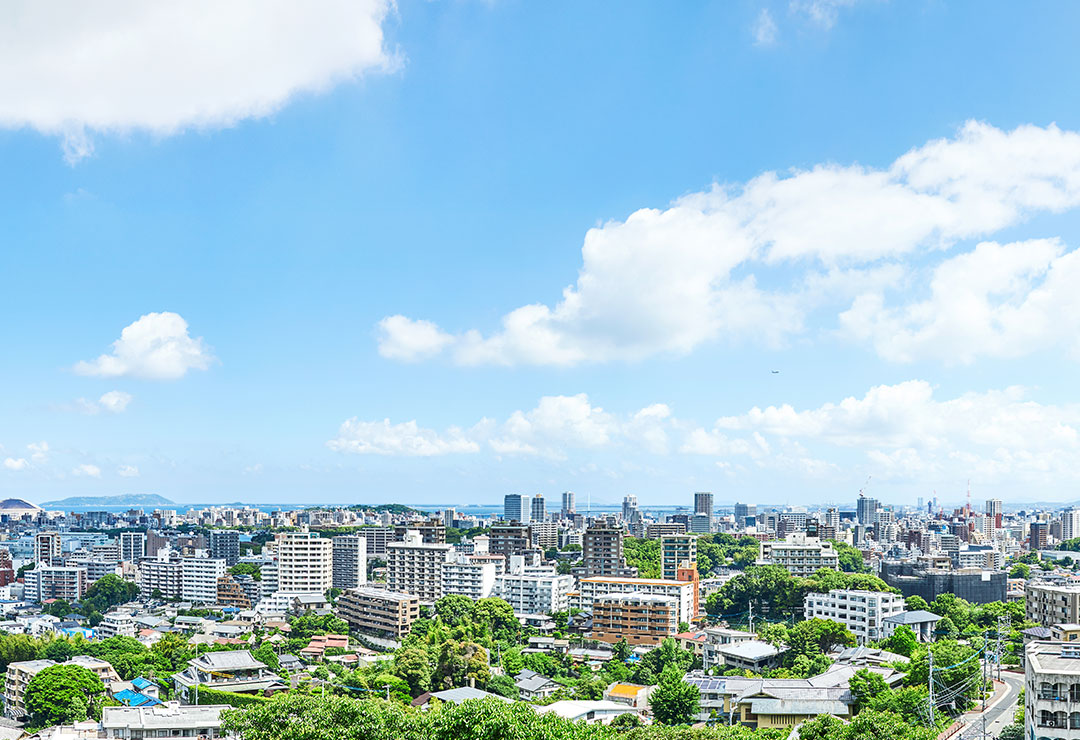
[[969, 497]]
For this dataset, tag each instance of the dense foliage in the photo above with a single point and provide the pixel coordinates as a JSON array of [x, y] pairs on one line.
[[63, 694], [776, 594]]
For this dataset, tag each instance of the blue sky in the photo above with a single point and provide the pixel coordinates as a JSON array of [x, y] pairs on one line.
[[340, 242]]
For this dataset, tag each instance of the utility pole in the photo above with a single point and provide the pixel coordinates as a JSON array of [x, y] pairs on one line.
[[983, 691], [1004, 627], [930, 655], [751, 617]]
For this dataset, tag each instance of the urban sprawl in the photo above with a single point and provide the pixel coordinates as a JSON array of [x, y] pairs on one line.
[[743, 622]]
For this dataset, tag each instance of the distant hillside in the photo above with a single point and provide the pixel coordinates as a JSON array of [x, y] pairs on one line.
[[130, 499]]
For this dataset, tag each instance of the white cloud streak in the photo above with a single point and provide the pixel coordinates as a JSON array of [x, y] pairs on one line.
[[70, 69], [664, 282], [157, 346]]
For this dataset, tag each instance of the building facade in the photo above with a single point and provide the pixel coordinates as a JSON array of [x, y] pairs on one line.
[[379, 610], [861, 612]]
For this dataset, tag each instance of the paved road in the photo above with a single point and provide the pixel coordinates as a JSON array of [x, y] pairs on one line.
[[997, 716]]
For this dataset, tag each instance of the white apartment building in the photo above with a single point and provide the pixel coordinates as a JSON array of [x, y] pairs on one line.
[[468, 575], [161, 574], [533, 590], [590, 588], [132, 546], [54, 582], [116, 625], [1049, 604], [800, 555], [1052, 691], [305, 562], [350, 561], [46, 547], [861, 612], [414, 567], [198, 579]]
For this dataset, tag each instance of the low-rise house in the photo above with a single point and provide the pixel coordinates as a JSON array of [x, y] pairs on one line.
[[631, 694], [139, 692], [718, 637], [235, 671], [920, 621], [319, 644], [589, 712], [533, 685], [455, 696], [748, 655], [1065, 632], [162, 720], [778, 703]]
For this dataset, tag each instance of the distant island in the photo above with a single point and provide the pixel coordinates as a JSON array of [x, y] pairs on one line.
[[130, 499]]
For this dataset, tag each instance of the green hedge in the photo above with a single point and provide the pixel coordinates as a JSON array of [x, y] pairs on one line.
[[233, 699]]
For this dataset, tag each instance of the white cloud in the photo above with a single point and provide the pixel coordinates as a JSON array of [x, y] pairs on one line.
[[666, 281], [16, 463], [765, 30], [39, 451], [68, 68], [904, 429], [113, 402], [87, 470], [823, 13], [999, 300], [156, 346], [127, 471], [406, 438]]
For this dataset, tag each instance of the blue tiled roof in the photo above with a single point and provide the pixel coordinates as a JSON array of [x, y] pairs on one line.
[[131, 698], [142, 683]]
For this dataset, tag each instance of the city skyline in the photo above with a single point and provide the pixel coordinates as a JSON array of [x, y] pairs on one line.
[[720, 248]]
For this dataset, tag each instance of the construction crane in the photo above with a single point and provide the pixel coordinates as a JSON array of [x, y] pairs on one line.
[[862, 491]]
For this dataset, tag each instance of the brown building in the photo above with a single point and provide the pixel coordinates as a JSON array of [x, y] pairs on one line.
[[640, 619], [508, 539], [231, 593], [376, 610], [431, 533], [602, 554]]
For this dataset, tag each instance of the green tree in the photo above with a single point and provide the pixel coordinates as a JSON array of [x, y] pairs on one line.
[[946, 629], [866, 686], [504, 686], [1020, 570], [412, 665], [107, 592], [916, 603], [621, 650], [247, 569], [903, 641], [512, 661], [63, 694], [818, 636], [851, 559], [674, 701], [454, 610]]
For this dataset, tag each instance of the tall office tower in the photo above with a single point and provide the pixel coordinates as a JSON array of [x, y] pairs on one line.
[[602, 553], [225, 545], [568, 510], [539, 508], [1070, 523], [994, 507], [832, 518], [517, 508], [350, 561], [703, 504], [132, 546], [744, 512], [866, 510], [305, 562], [676, 551], [47, 547], [629, 506], [448, 517], [919, 503], [1037, 540]]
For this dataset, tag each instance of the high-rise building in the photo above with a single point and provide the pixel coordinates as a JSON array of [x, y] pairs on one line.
[[199, 579], [629, 507], [832, 518], [1038, 536], [676, 551], [568, 509], [701, 524], [744, 512], [994, 507], [350, 561], [305, 563], [517, 508], [132, 546], [602, 553], [414, 567], [1070, 523], [448, 517], [47, 547], [703, 503], [509, 539], [539, 508], [866, 510], [225, 545]]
